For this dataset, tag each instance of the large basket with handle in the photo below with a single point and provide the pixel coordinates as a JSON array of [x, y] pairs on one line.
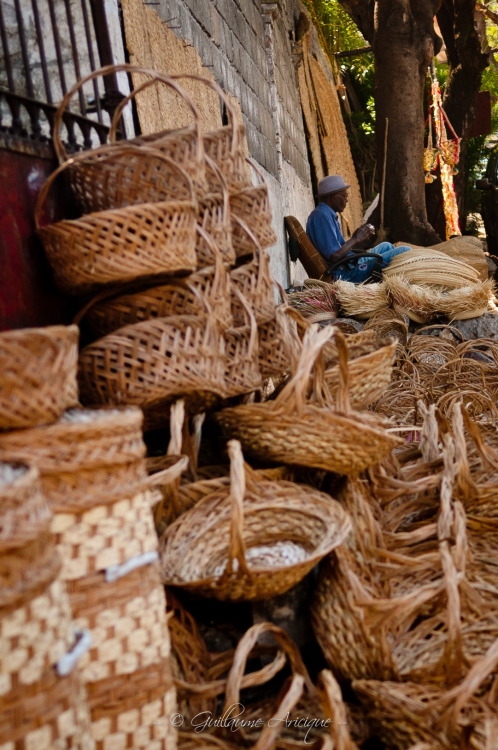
[[259, 537], [122, 244], [151, 363], [223, 147], [38, 378], [120, 174], [323, 433]]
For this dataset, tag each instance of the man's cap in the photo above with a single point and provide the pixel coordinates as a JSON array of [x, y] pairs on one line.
[[331, 184]]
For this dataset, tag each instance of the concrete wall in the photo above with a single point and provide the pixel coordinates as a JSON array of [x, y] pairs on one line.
[[246, 45]]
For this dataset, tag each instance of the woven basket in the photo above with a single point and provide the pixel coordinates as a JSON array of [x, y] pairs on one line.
[[253, 280], [24, 512], [207, 288], [251, 207], [273, 354], [290, 429], [122, 244], [467, 249], [388, 324], [263, 537], [38, 379], [120, 174], [242, 373], [421, 303], [133, 713], [213, 218], [154, 362], [369, 375], [84, 453], [223, 147]]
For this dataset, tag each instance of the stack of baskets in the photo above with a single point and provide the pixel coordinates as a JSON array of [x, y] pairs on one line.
[[43, 703], [92, 472], [170, 204]]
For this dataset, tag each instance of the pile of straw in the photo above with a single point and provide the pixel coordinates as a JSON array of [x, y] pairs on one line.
[[468, 301], [360, 300], [420, 303], [317, 299]]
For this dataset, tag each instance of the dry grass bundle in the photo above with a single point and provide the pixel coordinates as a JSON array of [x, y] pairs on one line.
[[421, 266], [316, 298], [469, 301], [360, 300], [420, 303]]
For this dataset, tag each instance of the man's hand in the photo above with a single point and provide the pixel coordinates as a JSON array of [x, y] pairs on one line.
[[362, 237]]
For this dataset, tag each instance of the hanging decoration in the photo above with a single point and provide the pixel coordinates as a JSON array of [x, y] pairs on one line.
[[446, 154]]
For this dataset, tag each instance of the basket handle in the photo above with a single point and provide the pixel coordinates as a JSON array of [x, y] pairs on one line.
[[235, 680], [253, 337], [335, 711], [259, 251], [108, 153], [237, 491], [102, 72], [292, 397]]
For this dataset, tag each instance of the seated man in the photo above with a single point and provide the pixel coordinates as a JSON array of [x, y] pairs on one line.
[[325, 232]]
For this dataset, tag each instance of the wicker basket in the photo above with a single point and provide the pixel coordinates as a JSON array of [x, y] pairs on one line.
[[154, 362], [242, 373], [86, 452], [421, 266], [38, 379], [251, 206], [274, 355], [215, 239], [290, 429], [369, 375], [208, 288], [223, 147], [263, 537], [253, 280], [24, 512], [122, 244], [115, 176]]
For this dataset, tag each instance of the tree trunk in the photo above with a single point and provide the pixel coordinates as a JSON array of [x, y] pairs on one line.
[[402, 36]]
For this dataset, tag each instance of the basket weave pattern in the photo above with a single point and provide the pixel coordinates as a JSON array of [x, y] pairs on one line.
[[253, 280], [38, 378]]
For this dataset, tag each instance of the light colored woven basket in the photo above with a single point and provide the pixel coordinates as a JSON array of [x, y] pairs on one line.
[[291, 429], [24, 512], [242, 373], [253, 280], [49, 713], [369, 375], [154, 362], [213, 217], [86, 452], [38, 379], [467, 249], [120, 174], [134, 712], [273, 354], [121, 244], [251, 206], [259, 538]]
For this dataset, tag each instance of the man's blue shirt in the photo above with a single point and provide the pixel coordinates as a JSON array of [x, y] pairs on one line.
[[324, 230]]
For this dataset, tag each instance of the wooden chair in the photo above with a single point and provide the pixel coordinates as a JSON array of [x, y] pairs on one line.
[[301, 248]]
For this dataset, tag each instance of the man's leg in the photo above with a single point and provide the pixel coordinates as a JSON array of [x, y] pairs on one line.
[[388, 252], [363, 267]]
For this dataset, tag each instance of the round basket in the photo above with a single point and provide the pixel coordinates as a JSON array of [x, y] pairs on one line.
[[388, 324], [154, 362], [213, 217], [290, 429], [87, 451], [120, 174], [208, 287], [254, 282], [122, 244], [273, 355], [251, 206], [254, 541], [38, 379]]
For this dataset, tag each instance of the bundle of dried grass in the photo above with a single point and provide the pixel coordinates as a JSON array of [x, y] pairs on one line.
[[420, 303], [360, 300], [469, 301], [421, 266], [316, 298]]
